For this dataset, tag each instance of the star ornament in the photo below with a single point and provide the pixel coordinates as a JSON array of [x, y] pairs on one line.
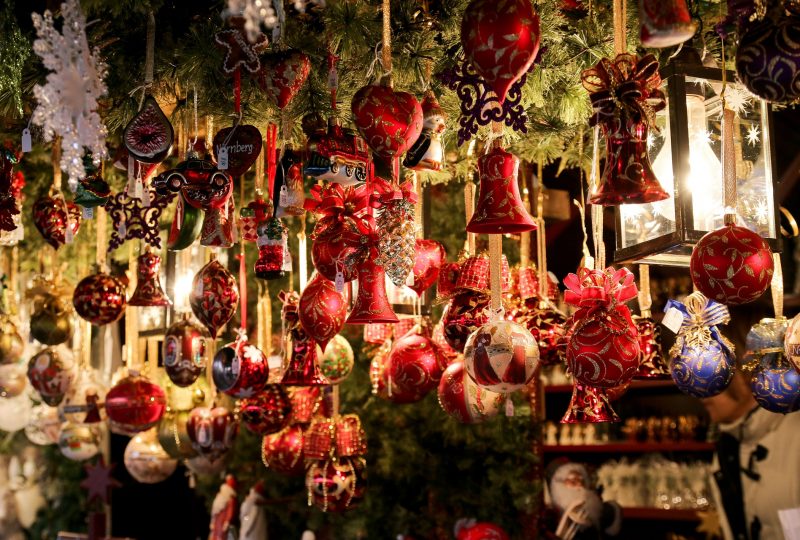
[[133, 218], [753, 135], [99, 481], [239, 51]]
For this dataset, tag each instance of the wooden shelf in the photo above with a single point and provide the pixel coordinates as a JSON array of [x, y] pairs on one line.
[[659, 514], [629, 447], [635, 385]]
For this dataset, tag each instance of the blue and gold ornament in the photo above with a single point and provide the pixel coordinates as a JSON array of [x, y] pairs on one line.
[[775, 382], [702, 360]]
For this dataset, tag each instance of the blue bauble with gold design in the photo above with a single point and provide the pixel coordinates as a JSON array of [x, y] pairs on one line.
[[775, 382], [703, 370]]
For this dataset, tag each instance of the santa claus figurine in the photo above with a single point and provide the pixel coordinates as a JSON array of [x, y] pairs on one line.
[[224, 511], [252, 518]]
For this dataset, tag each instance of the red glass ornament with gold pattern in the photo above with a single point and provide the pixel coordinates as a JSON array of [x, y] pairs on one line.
[[212, 431], [99, 299], [52, 215], [214, 297], [282, 452], [389, 121], [240, 369], [135, 404], [148, 282], [372, 304], [322, 310], [267, 412]]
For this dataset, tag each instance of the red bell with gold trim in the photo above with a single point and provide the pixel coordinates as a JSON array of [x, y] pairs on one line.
[[148, 284], [372, 305], [499, 209]]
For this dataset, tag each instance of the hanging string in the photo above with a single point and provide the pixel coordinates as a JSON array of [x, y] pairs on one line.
[[777, 286], [270, 158], [132, 317], [386, 51], [149, 62], [242, 271], [598, 261], [196, 128], [333, 76], [418, 208], [209, 129], [469, 210], [729, 165], [620, 26], [237, 92], [302, 266], [541, 236], [645, 298], [495, 269]]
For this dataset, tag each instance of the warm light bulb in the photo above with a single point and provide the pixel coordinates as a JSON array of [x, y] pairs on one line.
[[183, 288]]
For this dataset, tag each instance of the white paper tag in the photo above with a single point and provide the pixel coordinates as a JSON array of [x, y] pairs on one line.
[[283, 197], [146, 198], [122, 230], [222, 158], [68, 237], [673, 319], [509, 407], [138, 188], [333, 79], [339, 282], [27, 145], [790, 523], [88, 212]]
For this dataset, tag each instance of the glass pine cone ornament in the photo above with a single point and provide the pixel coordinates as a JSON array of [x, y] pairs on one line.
[[732, 265], [145, 459], [415, 364], [397, 243], [282, 452], [212, 431], [463, 315], [464, 400], [50, 323], [322, 310], [185, 351], [78, 442], [500, 40], [148, 282], [11, 343], [499, 209], [337, 360], [337, 485], [214, 297], [240, 369], [267, 412], [134, 404], [100, 299], [83, 403], [775, 382], [501, 356], [51, 372]]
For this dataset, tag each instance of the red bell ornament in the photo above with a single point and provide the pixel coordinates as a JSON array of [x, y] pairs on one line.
[[99, 299], [430, 256], [665, 23], [589, 405], [415, 364], [732, 265], [282, 452], [389, 121], [214, 296], [268, 412], [303, 368], [185, 351], [135, 404], [240, 369], [501, 356], [212, 431], [500, 209], [500, 40], [465, 401], [322, 310], [372, 304], [148, 283]]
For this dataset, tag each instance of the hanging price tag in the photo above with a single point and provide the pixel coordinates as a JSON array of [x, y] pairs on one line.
[[222, 158], [339, 282], [333, 79], [88, 212], [27, 145], [122, 230], [68, 237], [673, 319], [509, 407], [283, 197], [146, 198], [138, 188]]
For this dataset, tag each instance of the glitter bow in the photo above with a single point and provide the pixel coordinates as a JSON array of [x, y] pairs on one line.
[[626, 88], [338, 206], [599, 288], [386, 191], [701, 316]]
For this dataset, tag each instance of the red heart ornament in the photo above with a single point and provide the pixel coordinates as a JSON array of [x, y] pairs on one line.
[[428, 261], [284, 74], [500, 40], [51, 215], [389, 121], [243, 144]]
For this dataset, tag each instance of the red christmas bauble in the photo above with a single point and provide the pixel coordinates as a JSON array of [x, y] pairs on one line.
[[603, 351], [322, 310], [465, 313], [482, 531], [51, 216], [240, 369], [99, 299], [547, 325], [214, 296], [448, 275], [428, 261], [465, 401], [135, 404], [268, 412], [337, 486], [284, 74], [332, 256], [305, 403], [500, 40], [212, 431], [731, 265], [415, 364], [389, 121], [383, 385], [282, 452], [501, 356], [185, 351]]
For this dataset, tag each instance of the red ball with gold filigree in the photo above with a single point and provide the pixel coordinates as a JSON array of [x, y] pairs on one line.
[[322, 310], [268, 412], [389, 121], [415, 363], [731, 265], [336, 486], [465, 313], [135, 404], [212, 431], [282, 452], [100, 299]]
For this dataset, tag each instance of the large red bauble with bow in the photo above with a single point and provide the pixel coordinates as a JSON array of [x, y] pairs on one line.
[[603, 344], [284, 74], [332, 256], [322, 310], [240, 369], [212, 431], [268, 412], [389, 121], [732, 265], [135, 404], [415, 364], [282, 452], [428, 261], [52, 215], [99, 299], [214, 296], [500, 40]]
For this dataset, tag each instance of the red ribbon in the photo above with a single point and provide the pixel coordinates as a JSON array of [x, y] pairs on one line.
[[243, 288], [337, 206], [592, 289], [271, 158], [237, 91], [387, 191]]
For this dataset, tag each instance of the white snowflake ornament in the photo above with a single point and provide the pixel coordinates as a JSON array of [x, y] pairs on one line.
[[67, 102]]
